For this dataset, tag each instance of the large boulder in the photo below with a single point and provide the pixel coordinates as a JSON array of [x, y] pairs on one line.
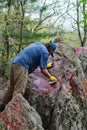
[[62, 106], [64, 109], [82, 55], [19, 115]]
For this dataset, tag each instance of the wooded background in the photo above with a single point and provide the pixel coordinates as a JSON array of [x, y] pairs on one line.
[[25, 21]]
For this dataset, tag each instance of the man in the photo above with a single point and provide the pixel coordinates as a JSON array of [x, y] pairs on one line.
[[34, 55]]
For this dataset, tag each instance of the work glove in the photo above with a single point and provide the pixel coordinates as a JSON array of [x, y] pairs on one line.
[[52, 78], [49, 65]]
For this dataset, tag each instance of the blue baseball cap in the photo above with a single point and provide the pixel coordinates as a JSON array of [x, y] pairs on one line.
[[53, 46]]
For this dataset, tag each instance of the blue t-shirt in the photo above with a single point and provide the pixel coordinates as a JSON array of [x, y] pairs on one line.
[[34, 55]]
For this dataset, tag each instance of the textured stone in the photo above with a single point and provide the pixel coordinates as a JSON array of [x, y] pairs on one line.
[[19, 115], [65, 109]]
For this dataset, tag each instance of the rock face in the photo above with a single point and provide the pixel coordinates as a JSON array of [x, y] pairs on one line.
[[19, 115], [82, 55], [67, 114], [1, 95], [64, 109], [61, 106]]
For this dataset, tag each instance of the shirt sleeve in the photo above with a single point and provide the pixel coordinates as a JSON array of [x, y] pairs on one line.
[[43, 60]]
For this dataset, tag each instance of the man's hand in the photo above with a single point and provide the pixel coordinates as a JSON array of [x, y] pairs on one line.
[[49, 65], [52, 78]]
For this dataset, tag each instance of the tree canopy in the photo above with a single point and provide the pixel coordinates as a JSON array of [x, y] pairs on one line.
[[25, 21]]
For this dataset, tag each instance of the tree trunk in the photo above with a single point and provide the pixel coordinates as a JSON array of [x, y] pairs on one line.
[[21, 26], [82, 40]]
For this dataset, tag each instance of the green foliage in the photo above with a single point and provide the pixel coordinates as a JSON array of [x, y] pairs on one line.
[[7, 69], [2, 48], [4, 66], [72, 38], [83, 1], [43, 8], [18, 20], [33, 0]]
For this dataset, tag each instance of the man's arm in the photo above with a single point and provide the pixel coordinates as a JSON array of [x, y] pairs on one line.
[[46, 73]]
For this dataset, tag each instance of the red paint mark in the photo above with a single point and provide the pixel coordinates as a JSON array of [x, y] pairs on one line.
[[43, 86], [79, 50], [13, 118], [72, 83]]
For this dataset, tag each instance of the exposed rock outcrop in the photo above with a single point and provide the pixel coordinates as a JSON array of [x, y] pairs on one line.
[[66, 108], [19, 115], [58, 107]]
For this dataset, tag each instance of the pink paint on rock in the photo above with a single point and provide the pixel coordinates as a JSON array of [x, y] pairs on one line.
[[43, 86], [79, 50], [73, 84]]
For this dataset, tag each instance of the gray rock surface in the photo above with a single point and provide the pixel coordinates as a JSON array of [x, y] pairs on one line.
[[1, 95], [19, 115], [64, 109]]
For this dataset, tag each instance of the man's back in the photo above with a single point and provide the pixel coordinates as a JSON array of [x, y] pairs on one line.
[[32, 56]]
